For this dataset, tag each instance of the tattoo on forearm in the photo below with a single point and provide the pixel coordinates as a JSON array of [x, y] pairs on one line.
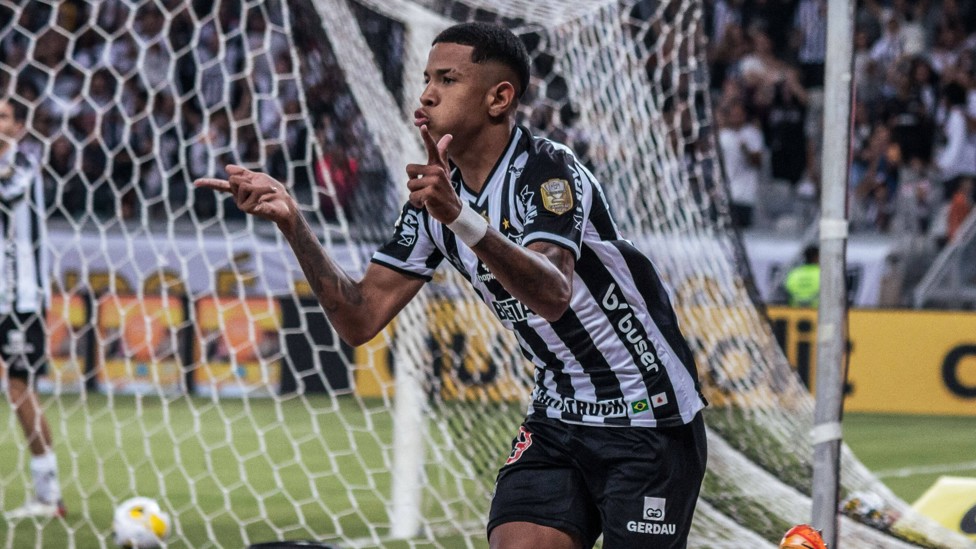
[[331, 285]]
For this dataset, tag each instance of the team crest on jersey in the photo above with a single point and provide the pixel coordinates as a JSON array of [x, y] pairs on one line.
[[557, 196], [521, 443]]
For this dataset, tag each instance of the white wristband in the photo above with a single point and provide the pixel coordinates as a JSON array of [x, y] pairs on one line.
[[469, 226]]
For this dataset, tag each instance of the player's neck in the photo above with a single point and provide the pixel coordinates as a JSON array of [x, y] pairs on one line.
[[477, 158]]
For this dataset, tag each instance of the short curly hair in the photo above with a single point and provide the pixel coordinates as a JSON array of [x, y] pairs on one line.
[[491, 43]]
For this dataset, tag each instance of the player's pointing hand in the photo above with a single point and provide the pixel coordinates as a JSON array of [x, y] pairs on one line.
[[430, 183], [254, 193]]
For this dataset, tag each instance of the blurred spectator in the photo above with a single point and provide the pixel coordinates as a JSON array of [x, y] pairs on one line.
[[810, 28], [802, 283], [873, 181], [917, 200], [742, 153], [726, 53], [958, 155], [760, 69], [905, 111], [867, 82], [785, 128], [945, 50], [774, 17], [890, 47]]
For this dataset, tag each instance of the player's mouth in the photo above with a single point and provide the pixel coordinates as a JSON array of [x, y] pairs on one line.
[[420, 118]]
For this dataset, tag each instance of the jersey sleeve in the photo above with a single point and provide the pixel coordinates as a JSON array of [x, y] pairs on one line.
[[14, 187], [411, 250], [553, 202]]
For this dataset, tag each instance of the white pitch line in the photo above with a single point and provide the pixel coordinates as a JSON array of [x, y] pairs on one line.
[[927, 469]]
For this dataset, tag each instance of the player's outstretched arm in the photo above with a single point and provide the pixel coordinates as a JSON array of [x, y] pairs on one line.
[[358, 310]]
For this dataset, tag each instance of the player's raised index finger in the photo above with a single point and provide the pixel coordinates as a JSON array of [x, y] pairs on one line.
[[212, 183], [442, 146], [433, 156]]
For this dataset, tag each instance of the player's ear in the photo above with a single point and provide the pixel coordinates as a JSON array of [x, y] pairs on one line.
[[501, 97]]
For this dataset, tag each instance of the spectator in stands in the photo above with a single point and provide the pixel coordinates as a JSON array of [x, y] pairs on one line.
[[760, 69], [24, 287], [916, 201], [810, 40], [889, 48], [873, 181], [785, 128], [742, 154], [924, 83], [945, 49], [905, 110], [724, 55], [802, 283], [958, 155]]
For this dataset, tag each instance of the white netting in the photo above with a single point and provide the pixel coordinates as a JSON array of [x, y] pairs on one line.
[[192, 366]]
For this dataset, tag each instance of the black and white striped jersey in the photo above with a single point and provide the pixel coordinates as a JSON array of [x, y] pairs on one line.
[[24, 269], [616, 357]]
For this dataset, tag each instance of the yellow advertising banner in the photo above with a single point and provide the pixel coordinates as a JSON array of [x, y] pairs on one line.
[[239, 341], [66, 326], [901, 361], [467, 362], [138, 344]]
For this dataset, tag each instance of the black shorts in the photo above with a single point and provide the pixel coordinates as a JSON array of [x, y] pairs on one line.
[[23, 345], [638, 486]]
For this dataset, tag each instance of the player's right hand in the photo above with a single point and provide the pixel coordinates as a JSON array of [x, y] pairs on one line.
[[254, 193]]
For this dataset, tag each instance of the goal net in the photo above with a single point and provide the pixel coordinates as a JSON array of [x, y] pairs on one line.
[[190, 362]]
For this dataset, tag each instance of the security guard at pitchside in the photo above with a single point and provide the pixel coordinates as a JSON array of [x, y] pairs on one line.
[[803, 281]]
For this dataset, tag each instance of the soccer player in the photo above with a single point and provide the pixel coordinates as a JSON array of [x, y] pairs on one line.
[[24, 286], [614, 441]]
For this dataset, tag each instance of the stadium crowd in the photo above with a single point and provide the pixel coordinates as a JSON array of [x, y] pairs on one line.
[[135, 104], [914, 132]]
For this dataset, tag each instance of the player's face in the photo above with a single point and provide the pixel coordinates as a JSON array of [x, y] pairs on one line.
[[455, 96], [9, 127]]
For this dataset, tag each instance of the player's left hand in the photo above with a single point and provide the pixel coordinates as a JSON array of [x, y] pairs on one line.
[[430, 183], [255, 193]]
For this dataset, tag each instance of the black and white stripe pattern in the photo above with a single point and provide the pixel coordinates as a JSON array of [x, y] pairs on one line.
[[616, 357], [24, 269]]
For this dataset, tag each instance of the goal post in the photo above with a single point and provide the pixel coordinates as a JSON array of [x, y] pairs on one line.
[[190, 362]]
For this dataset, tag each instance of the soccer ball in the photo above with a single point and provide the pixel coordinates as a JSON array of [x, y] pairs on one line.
[[139, 523]]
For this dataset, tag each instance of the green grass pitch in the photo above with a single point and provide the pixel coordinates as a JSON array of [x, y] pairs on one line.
[[327, 470], [910, 452]]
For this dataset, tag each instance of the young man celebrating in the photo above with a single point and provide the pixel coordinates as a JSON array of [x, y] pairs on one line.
[[614, 441], [24, 277]]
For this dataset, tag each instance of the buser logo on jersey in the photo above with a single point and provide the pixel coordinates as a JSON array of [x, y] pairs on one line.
[[628, 328]]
